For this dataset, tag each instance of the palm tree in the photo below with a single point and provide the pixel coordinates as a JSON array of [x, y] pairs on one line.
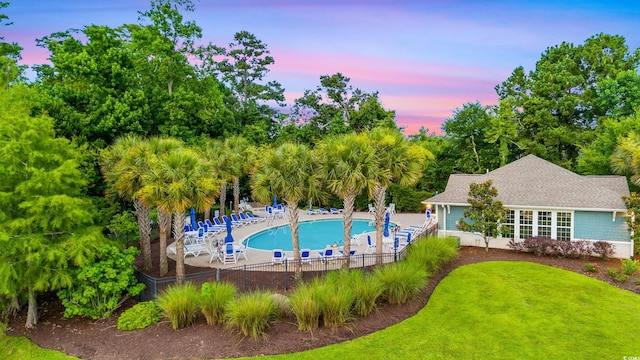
[[397, 161], [238, 151], [626, 157], [180, 180], [160, 147], [124, 165], [215, 153], [293, 173], [349, 166]]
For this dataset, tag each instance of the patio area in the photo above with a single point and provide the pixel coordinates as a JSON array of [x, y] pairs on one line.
[[257, 256]]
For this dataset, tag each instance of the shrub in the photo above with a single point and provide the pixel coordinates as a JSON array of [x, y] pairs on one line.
[[602, 249], [591, 267], [180, 304], [139, 316], [102, 286], [401, 281], [283, 305], [213, 299], [251, 313], [432, 253], [306, 306], [629, 266]]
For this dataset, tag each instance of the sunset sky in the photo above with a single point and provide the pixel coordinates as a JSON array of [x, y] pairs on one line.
[[425, 58]]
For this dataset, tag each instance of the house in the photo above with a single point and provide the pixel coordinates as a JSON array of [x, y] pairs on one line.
[[543, 199]]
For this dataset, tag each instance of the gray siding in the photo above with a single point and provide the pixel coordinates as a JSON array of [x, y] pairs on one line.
[[600, 226]]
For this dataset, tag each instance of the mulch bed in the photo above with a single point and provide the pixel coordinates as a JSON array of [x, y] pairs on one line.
[[89, 339]]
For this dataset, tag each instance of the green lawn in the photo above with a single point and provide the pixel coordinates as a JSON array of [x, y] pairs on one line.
[[492, 310], [508, 310]]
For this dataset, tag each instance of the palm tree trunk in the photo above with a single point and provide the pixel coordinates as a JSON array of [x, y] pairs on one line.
[[379, 194], [144, 227], [223, 197], [32, 310], [164, 219], [236, 196], [178, 235], [347, 203], [295, 241]]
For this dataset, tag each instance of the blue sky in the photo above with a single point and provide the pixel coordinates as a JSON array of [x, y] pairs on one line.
[[425, 58]]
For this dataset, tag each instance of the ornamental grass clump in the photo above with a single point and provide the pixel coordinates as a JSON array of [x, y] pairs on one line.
[[336, 302], [180, 304], [251, 313], [305, 304], [401, 281], [213, 299], [432, 253]]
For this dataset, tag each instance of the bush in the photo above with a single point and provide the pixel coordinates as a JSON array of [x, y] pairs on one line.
[[591, 267], [139, 316], [401, 281], [213, 299], [629, 266], [251, 313], [180, 304], [432, 253], [603, 249], [102, 286], [306, 306]]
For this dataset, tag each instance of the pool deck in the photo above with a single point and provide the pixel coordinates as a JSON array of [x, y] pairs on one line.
[[256, 256]]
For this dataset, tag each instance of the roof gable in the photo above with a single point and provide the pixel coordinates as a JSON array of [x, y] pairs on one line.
[[534, 182]]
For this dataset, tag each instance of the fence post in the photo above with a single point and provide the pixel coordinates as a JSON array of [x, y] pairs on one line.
[[244, 277]]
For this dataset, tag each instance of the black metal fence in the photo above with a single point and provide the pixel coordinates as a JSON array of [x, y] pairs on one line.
[[268, 276]]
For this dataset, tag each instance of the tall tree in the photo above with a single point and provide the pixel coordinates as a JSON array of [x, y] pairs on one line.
[[293, 173], [124, 166], [398, 161], [180, 180], [484, 213], [349, 167], [46, 221]]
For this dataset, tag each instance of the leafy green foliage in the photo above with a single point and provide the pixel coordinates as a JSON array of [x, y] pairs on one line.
[[484, 212], [251, 313], [213, 300], [139, 316], [101, 286], [180, 304], [629, 266]]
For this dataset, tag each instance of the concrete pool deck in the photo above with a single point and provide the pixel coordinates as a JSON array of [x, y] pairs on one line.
[[257, 256]]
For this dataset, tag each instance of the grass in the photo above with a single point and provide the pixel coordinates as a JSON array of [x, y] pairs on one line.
[[508, 310], [19, 348]]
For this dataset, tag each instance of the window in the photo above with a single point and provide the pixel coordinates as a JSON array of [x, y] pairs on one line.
[[526, 224], [564, 226], [507, 227], [544, 224]]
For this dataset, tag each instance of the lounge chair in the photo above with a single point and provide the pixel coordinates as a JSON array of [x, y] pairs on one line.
[[305, 256], [371, 248], [277, 257], [259, 218], [327, 254]]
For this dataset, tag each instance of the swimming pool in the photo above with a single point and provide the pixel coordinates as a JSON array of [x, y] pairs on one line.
[[314, 234]]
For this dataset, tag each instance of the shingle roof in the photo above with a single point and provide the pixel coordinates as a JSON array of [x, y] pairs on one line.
[[534, 182]]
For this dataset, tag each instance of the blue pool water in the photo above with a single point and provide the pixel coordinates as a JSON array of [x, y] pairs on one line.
[[314, 235]]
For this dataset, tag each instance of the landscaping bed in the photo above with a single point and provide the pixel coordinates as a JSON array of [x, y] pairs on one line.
[[100, 339]]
